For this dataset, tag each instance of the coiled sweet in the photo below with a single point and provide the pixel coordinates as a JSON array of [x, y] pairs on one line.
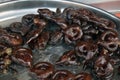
[[92, 42]]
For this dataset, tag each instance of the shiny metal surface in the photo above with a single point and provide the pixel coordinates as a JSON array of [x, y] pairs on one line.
[[18, 8], [109, 5], [13, 11], [83, 1]]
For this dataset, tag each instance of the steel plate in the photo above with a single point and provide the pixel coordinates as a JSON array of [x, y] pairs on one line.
[[14, 10]]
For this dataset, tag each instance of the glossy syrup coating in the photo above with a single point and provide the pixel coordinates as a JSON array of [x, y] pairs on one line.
[[86, 49], [36, 30], [63, 75], [43, 70], [68, 57], [109, 40], [83, 76], [108, 23], [71, 15], [22, 56], [39, 21], [18, 27], [83, 30], [59, 20], [72, 34], [47, 13], [27, 20], [40, 42], [103, 68], [76, 15], [116, 55], [110, 35], [12, 39], [90, 31], [32, 35], [55, 37]]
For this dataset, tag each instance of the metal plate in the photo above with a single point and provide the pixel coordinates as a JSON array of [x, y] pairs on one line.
[[14, 10]]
